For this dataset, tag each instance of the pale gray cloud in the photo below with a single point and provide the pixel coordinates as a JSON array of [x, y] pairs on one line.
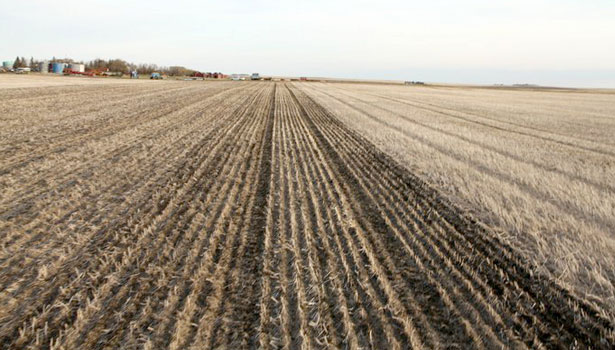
[[478, 41]]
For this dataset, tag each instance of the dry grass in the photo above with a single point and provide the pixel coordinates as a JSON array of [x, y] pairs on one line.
[[211, 215], [539, 165]]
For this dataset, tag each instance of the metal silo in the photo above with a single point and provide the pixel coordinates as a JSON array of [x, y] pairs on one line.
[[43, 67], [58, 68]]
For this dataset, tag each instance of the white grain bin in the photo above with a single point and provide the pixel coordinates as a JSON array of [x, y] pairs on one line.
[[43, 67], [77, 67]]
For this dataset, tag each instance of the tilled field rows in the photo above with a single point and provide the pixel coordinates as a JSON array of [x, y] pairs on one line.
[[247, 216]]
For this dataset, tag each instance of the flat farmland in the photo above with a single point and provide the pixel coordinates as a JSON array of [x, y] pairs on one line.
[[537, 164], [209, 215], [34, 80]]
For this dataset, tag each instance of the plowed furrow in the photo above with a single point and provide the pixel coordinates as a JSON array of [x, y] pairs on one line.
[[218, 196], [529, 326], [430, 249], [162, 261], [298, 265], [377, 184], [221, 217], [289, 316]]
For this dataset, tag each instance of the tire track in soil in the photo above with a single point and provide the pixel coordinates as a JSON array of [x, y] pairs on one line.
[[244, 302], [222, 223], [304, 272], [203, 308], [367, 327]]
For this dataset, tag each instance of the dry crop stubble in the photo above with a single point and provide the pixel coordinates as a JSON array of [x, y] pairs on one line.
[[212, 215], [550, 193]]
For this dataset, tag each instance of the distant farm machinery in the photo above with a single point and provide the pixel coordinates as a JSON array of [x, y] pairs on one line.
[[102, 72]]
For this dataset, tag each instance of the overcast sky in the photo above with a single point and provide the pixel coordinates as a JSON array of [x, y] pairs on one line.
[[549, 42]]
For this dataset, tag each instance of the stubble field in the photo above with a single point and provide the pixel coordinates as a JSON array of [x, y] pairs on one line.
[[193, 215], [538, 166]]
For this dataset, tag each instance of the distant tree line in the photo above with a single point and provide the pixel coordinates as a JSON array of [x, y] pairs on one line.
[[119, 65], [114, 65], [24, 63]]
